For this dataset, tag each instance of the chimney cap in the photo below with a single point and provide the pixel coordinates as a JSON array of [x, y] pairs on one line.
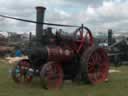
[[40, 7]]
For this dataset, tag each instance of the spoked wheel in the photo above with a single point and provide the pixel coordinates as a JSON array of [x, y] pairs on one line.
[[84, 37], [22, 72], [51, 76], [97, 65]]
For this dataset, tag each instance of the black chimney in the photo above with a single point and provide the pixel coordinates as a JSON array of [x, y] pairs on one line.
[[40, 18], [110, 38]]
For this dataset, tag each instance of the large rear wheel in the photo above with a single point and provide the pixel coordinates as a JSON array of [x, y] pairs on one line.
[[95, 65]]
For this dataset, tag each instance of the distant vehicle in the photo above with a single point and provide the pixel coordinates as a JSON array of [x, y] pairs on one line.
[[118, 52]]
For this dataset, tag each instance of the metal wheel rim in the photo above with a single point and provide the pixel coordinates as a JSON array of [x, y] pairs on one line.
[[20, 73], [52, 71], [98, 66]]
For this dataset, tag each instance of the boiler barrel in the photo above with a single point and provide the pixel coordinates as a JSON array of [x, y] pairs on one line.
[[59, 54], [39, 56]]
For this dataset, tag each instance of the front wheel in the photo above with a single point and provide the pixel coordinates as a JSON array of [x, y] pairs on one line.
[[22, 72]]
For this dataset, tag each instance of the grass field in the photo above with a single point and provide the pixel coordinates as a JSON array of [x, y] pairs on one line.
[[116, 86]]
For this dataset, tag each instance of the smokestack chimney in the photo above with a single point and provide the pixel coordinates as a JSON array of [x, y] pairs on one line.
[[40, 18], [110, 38]]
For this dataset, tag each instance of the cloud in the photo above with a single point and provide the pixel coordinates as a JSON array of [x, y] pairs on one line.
[[111, 14], [98, 15], [95, 3]]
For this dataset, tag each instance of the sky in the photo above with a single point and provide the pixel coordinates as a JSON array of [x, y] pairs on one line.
[[98, 15]]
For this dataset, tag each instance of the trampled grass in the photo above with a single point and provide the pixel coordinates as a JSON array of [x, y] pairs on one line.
[[116, 86]]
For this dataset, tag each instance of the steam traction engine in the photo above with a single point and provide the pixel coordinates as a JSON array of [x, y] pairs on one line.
[[73, 57]]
